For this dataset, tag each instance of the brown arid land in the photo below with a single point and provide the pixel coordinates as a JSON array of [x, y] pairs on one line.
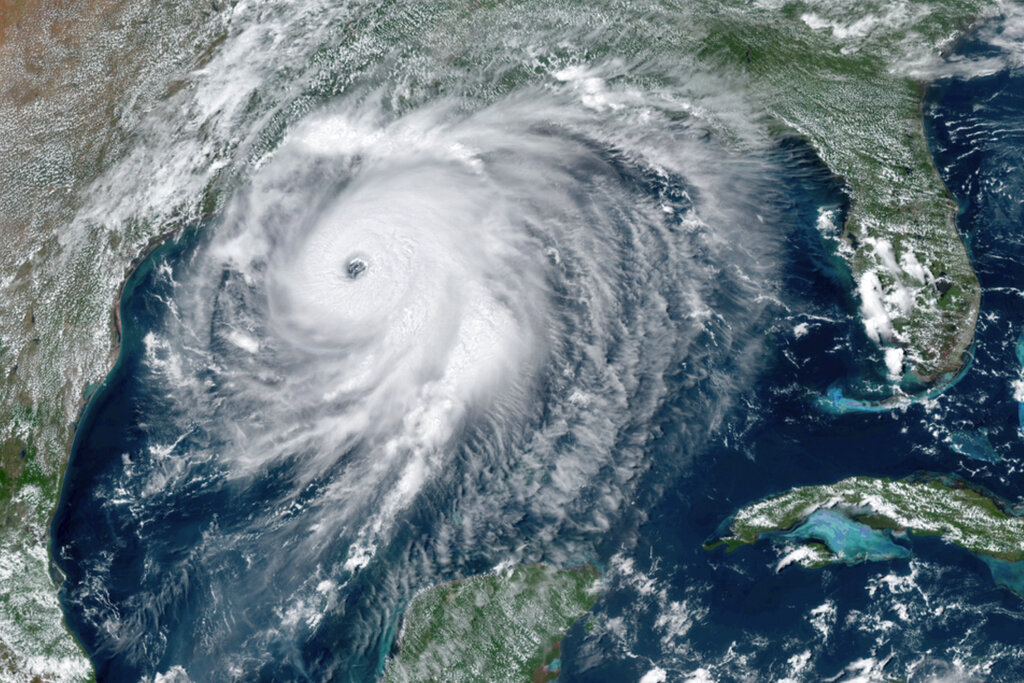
[[56, 121], [75, 80]]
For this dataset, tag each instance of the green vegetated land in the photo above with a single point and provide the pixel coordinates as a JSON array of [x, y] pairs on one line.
[[842, 74], [848, 77], [75, 78], [499, 627], [929, 505]]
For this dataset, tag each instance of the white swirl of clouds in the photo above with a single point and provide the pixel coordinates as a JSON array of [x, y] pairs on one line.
[[476, 312], [413, 296]]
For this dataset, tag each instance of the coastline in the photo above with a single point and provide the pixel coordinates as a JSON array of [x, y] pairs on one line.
[[116, 327], [155, 243], [57, 575], [59, 128], [857, 97]]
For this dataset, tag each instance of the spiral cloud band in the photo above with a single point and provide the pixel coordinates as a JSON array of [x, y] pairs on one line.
[[493, 304]]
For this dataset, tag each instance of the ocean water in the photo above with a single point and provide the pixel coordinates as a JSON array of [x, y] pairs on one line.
[[389, 365], [562, 324], [939, 615]]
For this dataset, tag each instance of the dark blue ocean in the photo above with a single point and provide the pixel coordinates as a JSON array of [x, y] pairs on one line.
[[942, 609], [669, 604]]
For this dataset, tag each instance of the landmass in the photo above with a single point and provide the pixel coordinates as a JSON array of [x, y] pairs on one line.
[[849, 77], [74, 80], [505, 626], [80, 81], [860, 519]]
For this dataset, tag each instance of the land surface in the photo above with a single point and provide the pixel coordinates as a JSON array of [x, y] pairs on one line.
[[499, 627], [74, 79], [927, 505], [86, 87], [849, 77]]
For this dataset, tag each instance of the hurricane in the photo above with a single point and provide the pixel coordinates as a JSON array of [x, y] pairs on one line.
[[414, 293], [463, 319]]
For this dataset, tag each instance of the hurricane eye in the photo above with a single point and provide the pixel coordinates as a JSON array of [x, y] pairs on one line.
[[355, 268]]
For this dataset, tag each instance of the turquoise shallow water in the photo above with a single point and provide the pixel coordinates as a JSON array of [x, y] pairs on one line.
[[258, 489], [1007, 574], [849, 540]]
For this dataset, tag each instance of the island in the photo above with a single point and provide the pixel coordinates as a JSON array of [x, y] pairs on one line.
[[847, 77], [505, 626], [860, 519]]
